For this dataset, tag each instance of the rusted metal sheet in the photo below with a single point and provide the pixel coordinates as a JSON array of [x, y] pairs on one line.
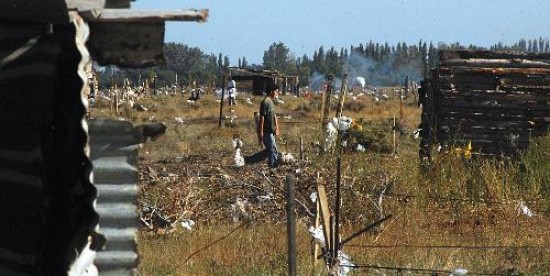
[[113, 146], [496, 100], [127, 44]]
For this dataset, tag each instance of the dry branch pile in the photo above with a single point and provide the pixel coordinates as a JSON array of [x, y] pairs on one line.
[[188, 187]]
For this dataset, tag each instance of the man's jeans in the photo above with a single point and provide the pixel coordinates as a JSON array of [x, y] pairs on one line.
[[270, 152]]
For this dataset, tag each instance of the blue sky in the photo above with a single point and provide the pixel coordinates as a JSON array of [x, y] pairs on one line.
[[247, 27]]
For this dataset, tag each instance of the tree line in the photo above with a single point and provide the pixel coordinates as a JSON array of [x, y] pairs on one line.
[[380, 63]]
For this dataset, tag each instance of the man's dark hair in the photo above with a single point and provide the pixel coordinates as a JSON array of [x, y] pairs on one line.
[[271, 88]]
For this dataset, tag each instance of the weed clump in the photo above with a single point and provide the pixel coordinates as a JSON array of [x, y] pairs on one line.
[[372, 136]]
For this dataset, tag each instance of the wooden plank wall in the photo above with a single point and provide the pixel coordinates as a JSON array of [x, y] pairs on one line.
[[498, 101], [127, 44]]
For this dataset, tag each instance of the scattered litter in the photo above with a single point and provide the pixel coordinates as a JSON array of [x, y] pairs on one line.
[[459, 271], [343, 124], [140, 107], [317, 234], [330, 137], [345, 264], [360, 148], [187, 224], [240, 210], [313, 197], [262, 198], [416, 133], [286, 158], [91, 271], [237, 143], [524, 210], [239, 158]]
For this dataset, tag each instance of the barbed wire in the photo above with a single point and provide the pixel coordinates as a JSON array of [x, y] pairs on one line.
[[479, 200], [407, 197], [471, 247], [243, 224], [424, 271]]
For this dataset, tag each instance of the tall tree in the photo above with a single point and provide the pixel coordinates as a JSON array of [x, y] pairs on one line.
[[318, 62], [333, 64], [188, 62], [535, 46], [304, 70], [226, 62], [277, 57]]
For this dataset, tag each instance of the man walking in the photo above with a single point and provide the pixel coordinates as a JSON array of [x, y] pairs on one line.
[[268, 128]]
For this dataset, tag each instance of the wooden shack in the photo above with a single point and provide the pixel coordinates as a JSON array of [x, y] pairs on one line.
[[497, 101], [261, 78]]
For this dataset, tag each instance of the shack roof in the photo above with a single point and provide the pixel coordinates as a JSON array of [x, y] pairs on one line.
[[243, 73], [118, 35]]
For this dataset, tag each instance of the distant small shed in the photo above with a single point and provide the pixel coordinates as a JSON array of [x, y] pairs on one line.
[[262, 78], [497, 101]]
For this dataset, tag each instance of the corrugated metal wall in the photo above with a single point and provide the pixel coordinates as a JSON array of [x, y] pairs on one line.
[[46, 194], [498, 101], [113, 153]]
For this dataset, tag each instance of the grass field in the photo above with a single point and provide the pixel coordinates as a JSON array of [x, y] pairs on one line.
[[455, 213]]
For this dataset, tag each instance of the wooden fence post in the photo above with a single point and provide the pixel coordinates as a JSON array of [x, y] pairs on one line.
[[325, 102], [221, 101], [336, 244], [343, 92], [301, 148], [291, 226], [394, 138]]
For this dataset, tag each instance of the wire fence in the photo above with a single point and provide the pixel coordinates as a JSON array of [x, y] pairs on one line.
[[421, 271]]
